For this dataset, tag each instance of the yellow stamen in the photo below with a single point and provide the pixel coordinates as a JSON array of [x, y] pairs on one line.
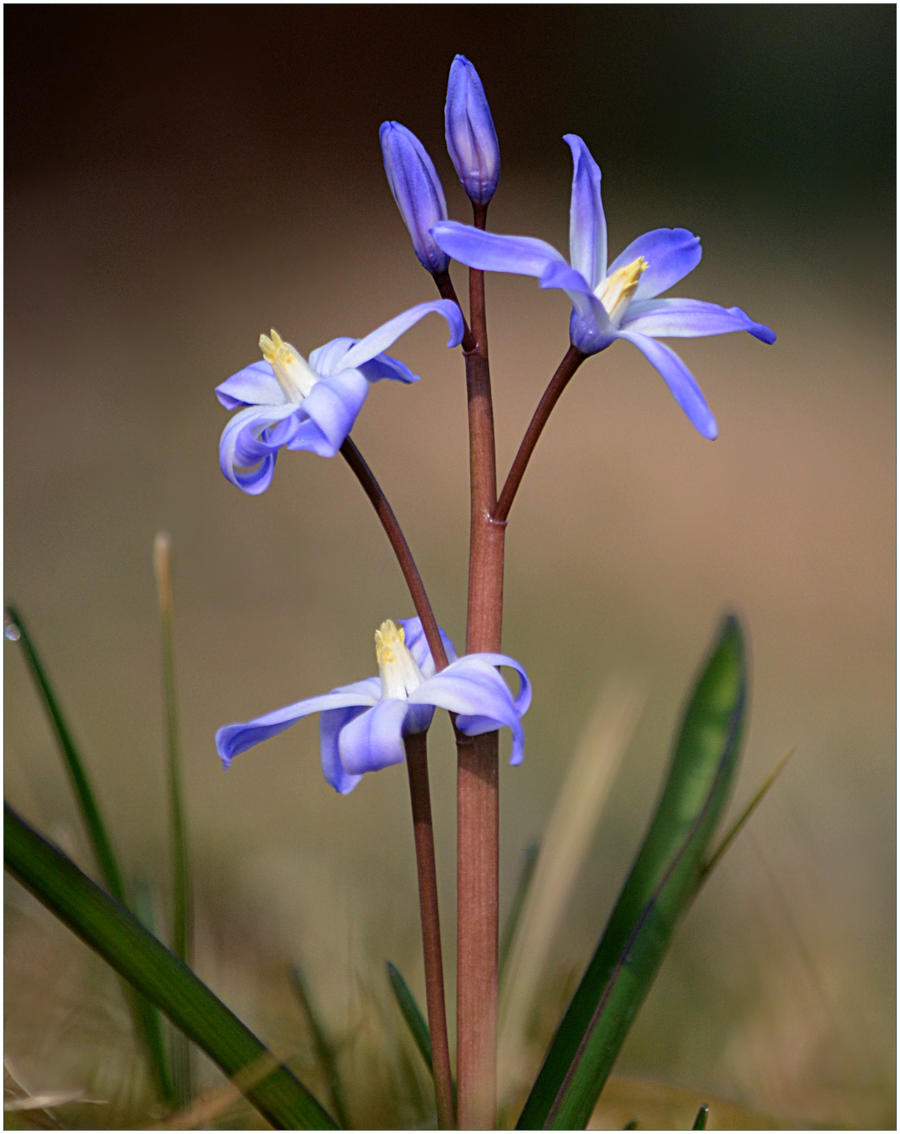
[[400, 674], [294, 374], [616, 290]]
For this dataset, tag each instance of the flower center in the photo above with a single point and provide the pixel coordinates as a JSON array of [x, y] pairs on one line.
[[397, 667], [616, 290], [295, 376]]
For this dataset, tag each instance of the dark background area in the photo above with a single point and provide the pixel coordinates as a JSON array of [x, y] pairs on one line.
[[180, 178]]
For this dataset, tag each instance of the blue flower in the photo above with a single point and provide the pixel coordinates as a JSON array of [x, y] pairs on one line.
[[363, 725], [619, 301], [417, 190], [291, 403], [469, 128]]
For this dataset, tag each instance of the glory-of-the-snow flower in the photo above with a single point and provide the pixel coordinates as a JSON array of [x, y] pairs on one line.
[[288, 402], [362, 725], [619, 301]]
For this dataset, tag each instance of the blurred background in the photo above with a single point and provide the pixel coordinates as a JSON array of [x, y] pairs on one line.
[[181, 178]]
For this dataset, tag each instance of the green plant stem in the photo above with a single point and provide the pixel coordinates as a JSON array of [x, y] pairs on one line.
[[572, 359], [146, 1019], [182, 913], [423, 833], [146, 963]]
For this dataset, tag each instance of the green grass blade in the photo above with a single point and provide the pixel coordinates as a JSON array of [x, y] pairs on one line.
[[700, 1120], [182, 903], [146, 1018], [324, 1048], [411, 1013], [662, 882], [147, 964]]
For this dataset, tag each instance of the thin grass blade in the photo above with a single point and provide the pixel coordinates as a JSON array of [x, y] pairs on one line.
[[700, 1120], [511, 925], [324, 1048], [182, 898], [662, 882], [411, 1013], [147, 964], [146, 1018]]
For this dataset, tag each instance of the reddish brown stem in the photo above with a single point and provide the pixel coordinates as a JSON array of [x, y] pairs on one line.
[[423, 832], [572, 359], [392, 528]]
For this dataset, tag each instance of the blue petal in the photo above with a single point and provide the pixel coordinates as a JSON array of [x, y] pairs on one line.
[[252, 438], [329, 359], [330, 410], [233, 739], [469, 130], [255, 385], [417, 191], [679, 380], [488, 251], [331, 723], [690, 318], [473, 689], [414, 637], [382, 337], [670, 254], [374, 739], [587, 223]]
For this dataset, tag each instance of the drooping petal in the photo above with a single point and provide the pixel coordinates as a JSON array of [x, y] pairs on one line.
[[491, 252], [331, 723], [522, 698], [329, 359], [382, 337], [670, 254], [417, 645], [374, 739], [233, 739], [250, 442], [473, 689], [255, 385], [679, 380], [690, 318], [330, 411], [587, 222]]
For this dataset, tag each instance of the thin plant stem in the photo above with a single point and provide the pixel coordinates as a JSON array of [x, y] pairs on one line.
[[182, 920], [478, 812], [423, 832], [572, 359], [401, 549]]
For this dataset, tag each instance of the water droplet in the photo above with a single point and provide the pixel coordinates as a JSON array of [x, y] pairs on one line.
[[10, 631]]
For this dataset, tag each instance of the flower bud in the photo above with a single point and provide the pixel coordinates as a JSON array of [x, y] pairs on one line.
[[471, 138], [417, 190]]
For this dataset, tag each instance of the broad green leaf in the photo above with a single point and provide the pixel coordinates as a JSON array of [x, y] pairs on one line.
[[147, 964], [324, 1048], [662, 882], [146, 1018]]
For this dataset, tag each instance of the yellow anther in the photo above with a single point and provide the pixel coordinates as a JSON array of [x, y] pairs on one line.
[[293, 372], [400, 674], [616, 290]]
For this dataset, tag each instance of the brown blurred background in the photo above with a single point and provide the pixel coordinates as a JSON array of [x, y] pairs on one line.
[[180, 178]]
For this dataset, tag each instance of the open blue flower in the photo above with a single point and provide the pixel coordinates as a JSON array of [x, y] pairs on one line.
[[618, 301], [291, 403], [363, 725]]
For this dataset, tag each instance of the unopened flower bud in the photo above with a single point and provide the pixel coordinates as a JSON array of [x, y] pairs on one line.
[[471, 138], [417, 190]]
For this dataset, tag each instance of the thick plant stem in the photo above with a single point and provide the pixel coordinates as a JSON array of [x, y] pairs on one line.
[[572, 359], [401, 549], [423, 831], [478, 803]]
